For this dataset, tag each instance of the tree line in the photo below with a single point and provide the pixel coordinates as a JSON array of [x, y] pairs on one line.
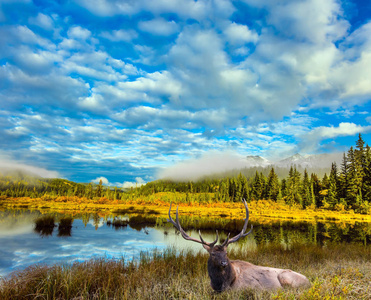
[[347, 186]]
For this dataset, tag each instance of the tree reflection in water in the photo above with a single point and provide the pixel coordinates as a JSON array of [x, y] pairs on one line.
[[268, 231]]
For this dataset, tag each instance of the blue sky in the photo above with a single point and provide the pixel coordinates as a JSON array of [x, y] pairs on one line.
[[125, 89]]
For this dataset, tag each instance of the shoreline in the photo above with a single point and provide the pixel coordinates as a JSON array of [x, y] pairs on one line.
[[259, 210]]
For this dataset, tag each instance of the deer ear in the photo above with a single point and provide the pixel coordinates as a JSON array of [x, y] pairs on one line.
[[208, 248]]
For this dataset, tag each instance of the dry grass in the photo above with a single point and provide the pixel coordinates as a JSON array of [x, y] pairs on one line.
[[336, 272], [158, 205]]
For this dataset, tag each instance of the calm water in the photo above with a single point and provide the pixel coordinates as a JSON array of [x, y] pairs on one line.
[[90, 236]]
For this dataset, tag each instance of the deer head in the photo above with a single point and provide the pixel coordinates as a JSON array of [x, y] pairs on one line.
[[220, 251], [219, 266]]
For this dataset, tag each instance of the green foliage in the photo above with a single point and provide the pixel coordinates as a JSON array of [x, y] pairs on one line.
[[347, 189]]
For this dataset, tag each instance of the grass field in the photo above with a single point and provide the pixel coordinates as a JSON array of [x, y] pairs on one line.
[[336, 272], [158, 204]]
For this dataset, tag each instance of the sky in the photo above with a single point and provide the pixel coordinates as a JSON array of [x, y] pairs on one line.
[[123, 90]]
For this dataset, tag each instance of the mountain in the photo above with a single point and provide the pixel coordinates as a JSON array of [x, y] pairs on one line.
[[257, 161], [316, 161]]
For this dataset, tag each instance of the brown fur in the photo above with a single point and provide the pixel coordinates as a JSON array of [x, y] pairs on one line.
[[236, 274]]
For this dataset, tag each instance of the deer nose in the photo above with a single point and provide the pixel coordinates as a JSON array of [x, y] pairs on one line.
[[224, 263]]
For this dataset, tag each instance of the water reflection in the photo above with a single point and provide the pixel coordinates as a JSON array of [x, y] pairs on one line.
[[65, 226], [44, 225], [67, 238]]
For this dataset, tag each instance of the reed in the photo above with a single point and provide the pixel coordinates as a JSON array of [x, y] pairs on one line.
[[336, 272]]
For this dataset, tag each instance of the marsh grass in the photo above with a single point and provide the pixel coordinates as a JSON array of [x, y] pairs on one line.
[[336, 272]]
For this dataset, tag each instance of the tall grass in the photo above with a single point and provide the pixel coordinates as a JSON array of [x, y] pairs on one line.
[[336, 272]]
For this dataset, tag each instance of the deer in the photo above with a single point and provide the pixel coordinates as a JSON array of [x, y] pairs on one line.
[[228, 274]]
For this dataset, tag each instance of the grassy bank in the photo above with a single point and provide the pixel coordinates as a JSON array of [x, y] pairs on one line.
[[158, 204], [336, 272]]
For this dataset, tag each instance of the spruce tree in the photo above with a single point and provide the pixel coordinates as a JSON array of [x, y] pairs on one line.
[[367, 175], [306, 190], [333, 187], [353, 180], [273, 186], [344, 180]]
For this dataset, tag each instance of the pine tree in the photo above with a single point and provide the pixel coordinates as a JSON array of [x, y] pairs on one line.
[[367, 176], [360, 160], [306, 190], [273, 186], [245, 193], [317, 188], [353, 183], [257, 187], [293, 187], [344, 180], [99, 190], [333, 187]]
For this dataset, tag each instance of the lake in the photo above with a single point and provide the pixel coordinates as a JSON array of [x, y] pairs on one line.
[[23, 243]]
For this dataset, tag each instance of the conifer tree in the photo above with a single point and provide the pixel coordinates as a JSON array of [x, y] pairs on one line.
[[257, 187], [273, 186], [344, 179], [333, 187], [316, 187], [353, 181], [306, 190], [367, 175], [99, 190], [245, 193], [293, 187]]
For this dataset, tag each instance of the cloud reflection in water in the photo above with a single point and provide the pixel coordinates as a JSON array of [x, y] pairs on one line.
[[21, 246]]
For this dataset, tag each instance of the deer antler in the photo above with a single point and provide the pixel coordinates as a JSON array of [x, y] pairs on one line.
[[243, 233], [186, 236]]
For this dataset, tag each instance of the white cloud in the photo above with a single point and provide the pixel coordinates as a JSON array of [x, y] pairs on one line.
[[138, 182], [27, 36], [43, 21], [310, 141], [120, 35], [344, 129], [183, 8], [94, 103], [7, 164], [103, 179], [240, 34], [315, 21], [159, 27], [77, 32]]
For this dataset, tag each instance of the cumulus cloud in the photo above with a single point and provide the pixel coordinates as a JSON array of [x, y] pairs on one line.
[[137, 183], [97, 95], [310, 140], [43, 21], [126, 185], [77, 32], [184, 8], [240, 34], [120, 35], [99, 179], [159, 27]]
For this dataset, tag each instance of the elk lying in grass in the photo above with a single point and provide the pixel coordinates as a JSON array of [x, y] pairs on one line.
[[236, 274]]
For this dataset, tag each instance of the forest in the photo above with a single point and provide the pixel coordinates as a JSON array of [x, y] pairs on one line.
[[345, 187]]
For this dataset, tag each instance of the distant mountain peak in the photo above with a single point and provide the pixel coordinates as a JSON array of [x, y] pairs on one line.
[[257, 161]]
